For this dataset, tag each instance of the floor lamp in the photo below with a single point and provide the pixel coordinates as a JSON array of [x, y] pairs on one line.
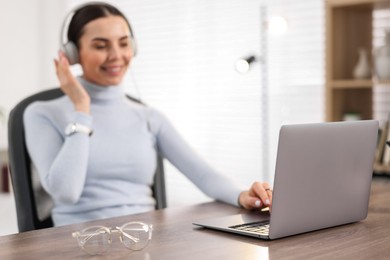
[[243, 65]]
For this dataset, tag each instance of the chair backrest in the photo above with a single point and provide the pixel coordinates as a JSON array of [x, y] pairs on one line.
[[29, 194]]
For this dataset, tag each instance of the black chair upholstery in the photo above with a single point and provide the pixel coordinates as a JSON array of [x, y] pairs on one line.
[[26, 195]]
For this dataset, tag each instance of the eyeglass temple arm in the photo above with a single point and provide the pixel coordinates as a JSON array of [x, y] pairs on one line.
[[118, 229]]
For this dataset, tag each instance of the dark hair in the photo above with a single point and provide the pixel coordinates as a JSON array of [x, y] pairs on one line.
[[88, 13]]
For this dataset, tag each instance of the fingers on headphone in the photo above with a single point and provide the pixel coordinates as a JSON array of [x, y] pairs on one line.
[[63, 59]]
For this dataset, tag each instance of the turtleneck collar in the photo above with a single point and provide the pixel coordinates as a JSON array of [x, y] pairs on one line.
[[102, 93]]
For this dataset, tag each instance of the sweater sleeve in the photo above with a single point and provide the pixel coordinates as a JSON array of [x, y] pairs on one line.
[[181, 155], [61, 161]]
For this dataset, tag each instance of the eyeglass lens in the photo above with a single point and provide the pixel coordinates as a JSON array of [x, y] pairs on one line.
[[135, 235], [95, 240]]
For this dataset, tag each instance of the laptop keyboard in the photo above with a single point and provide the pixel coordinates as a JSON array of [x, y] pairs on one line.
[[261, 228]]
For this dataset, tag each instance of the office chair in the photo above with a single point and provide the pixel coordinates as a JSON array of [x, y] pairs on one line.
[[33, 204]]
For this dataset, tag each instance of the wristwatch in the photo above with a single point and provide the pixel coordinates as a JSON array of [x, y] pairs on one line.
[[77, 128]]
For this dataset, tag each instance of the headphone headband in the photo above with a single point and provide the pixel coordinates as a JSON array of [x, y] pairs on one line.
[[70, 48]]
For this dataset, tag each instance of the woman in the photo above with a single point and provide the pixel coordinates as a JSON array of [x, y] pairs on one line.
[[109, 173]]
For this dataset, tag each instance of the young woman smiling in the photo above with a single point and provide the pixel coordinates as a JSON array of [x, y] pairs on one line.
[[109, 173]]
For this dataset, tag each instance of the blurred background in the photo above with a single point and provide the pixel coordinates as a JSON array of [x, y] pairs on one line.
[[186, 67]]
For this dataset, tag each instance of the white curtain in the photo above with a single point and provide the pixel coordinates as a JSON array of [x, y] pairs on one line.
[[381, 23]]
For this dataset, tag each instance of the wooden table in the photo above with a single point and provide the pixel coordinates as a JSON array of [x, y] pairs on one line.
[[174, 237]]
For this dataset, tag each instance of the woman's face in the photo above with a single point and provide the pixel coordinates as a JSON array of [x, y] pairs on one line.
[[105, 50]]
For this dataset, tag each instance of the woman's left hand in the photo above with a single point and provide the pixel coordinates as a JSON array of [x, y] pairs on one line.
[[258, 196]]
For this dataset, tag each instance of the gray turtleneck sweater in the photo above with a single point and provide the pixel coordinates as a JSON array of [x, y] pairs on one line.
[[110, 173]]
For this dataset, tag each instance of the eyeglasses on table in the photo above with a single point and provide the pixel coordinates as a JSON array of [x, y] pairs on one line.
[[96, 240]]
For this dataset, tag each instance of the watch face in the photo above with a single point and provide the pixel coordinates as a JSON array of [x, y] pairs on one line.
[[70, 129], [77, 128]]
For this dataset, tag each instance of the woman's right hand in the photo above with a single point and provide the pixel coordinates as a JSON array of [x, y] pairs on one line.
[[259, 195], [70, 86]]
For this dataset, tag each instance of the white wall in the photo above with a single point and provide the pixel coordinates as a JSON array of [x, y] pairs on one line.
[[28, 44], [19, 49]]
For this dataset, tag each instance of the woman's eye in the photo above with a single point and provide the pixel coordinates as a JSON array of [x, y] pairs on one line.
[[100, 47], [124, 44]]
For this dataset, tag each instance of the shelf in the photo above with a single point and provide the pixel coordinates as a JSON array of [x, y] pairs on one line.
[[355, 84], [349, 27], [351, 83], [382, 82], [382, 169], [343, 3]]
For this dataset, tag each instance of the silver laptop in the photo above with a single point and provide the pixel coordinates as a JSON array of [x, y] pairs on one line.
[[322, 179]]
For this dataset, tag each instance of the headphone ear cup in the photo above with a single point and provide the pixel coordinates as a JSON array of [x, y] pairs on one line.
[[71, 52]]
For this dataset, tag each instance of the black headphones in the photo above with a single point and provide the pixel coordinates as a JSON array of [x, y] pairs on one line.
[[70, 48]]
